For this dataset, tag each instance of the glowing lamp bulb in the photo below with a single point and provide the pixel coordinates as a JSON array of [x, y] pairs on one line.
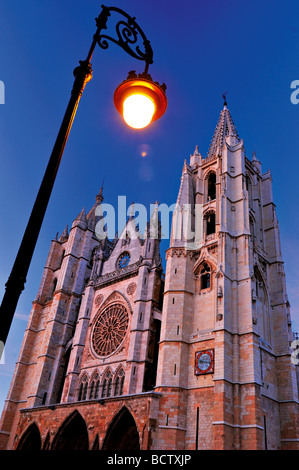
[[138, 111], [140, 101]]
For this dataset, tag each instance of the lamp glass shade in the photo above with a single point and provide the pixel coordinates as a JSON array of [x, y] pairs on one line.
[[140, 101], [138, 110]]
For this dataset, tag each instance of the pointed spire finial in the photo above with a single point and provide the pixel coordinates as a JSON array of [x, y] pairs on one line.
[[81, 215], [64, 235], [225, 127], [99, 196]]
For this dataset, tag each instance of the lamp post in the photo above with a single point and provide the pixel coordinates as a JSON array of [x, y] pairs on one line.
[[152, 96]]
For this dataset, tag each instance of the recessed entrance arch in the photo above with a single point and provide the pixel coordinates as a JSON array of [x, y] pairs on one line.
[[122, 433], [72, 434], [31, 439]]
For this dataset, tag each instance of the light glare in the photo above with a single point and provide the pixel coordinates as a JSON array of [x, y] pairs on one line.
[[138, 110]]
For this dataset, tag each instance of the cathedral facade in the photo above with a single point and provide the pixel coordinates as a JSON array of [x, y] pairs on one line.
[[119, 356]]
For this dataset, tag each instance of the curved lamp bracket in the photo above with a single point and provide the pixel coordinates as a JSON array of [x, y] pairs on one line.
[[127, 35]]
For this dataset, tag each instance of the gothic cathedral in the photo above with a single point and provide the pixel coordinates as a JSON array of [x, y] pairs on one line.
[[117, 357]]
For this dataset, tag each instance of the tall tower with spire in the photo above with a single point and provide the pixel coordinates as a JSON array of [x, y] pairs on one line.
[[225, 372]]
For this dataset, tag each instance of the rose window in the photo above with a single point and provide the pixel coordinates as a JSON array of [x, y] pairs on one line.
[[123, 260], [110, 329]]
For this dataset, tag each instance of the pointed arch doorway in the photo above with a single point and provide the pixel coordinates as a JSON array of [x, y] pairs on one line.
[[31, 439], [72, 434], [122, 433]]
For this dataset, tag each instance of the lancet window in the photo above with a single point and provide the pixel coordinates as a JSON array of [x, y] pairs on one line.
[[210, 223], [119, 382], [205, 277], [94, 387], [107, 385], [211, 186], [82, 395]]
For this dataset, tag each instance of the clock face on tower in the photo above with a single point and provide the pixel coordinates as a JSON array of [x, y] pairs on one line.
[[204, 362], [123, 260]]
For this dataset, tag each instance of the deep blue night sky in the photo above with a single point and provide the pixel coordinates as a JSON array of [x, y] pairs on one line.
[[201, 50]]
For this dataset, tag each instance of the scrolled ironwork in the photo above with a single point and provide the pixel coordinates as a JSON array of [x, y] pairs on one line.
[[127, 35]]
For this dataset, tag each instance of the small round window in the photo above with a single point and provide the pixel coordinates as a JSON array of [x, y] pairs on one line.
[[123, 260]]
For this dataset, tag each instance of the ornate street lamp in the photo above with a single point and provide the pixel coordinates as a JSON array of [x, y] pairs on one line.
[[138, 99]]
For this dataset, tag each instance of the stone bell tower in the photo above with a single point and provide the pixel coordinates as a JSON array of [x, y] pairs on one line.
[[225, 371]]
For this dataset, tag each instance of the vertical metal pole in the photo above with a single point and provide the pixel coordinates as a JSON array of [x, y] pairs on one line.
[[83, 74], [197, 428], [17, 278]]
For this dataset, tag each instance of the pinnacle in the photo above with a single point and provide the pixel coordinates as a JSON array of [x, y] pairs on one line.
[[64, 234], [91, 216], [82, 215], [80, 220], [196, 151], [99, 196]]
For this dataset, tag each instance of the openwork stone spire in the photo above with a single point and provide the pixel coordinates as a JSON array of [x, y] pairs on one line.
[[224, 128]]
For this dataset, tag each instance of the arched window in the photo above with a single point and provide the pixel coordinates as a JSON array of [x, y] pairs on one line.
[[251, 226], [249, 189], [54, 285], [44, 398], [205, 277], [62, 376], [119, 382], [53, 288], [107, 385], [82, 395], [61, 259], [210, 223], [97, 389], [92, 257], [211, 186], [94, 387], [262, 307]]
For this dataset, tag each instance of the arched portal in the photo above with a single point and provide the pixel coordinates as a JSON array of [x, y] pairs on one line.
[[31, 439], [72, 435], [122, 433]]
